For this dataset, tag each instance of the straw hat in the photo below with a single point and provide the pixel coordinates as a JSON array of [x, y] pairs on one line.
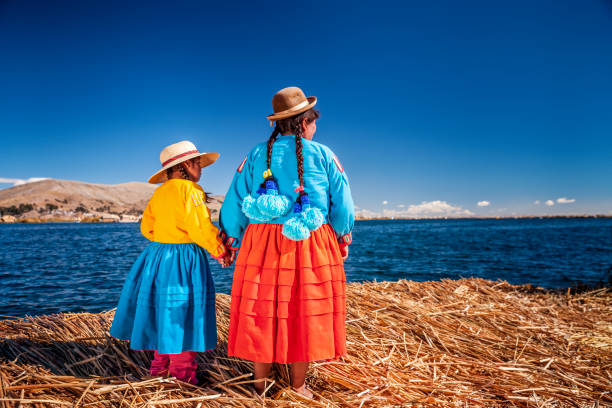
[[178, 153], [290, 102]]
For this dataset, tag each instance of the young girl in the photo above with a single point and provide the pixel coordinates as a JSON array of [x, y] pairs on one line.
[[168, 300], [290, 211]]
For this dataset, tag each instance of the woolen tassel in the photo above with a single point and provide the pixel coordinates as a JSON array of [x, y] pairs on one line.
[[272, 204], [311, 216], [294, 228], [249, 207]]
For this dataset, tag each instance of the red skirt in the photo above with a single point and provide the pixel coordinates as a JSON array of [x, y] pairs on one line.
[[288, 297]]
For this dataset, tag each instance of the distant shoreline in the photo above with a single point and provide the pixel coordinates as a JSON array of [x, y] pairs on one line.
[[99, 220], [580, 216]]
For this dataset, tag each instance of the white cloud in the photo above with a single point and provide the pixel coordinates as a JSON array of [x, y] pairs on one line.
[[549, 203], [18, 182], [484, 203], [537, 202], [429, 209], [385, 202], [564, 200]]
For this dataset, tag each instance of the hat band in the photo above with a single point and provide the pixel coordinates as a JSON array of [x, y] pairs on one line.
[[179, 156], [294, 108]]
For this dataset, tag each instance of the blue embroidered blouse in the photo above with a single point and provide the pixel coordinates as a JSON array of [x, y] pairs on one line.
[[324, 180]]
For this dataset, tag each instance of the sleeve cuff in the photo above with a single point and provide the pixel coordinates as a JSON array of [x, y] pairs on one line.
[[345, 239], [229, 242], [223, 250]]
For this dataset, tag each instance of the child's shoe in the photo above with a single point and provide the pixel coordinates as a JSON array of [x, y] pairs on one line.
[[183, 367], [159, 365]]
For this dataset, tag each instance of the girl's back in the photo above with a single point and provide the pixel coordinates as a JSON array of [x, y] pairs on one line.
[[167, 303], [169, 210]]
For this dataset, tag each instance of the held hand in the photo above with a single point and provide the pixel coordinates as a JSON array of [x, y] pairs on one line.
[[226, 260], [344, 251]]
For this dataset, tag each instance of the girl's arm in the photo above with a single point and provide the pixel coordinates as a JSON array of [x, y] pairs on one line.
[[341, 207], [231, 218], [199, 227], [147, 222]]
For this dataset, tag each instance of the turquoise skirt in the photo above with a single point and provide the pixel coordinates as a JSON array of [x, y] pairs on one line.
[[168, 301]]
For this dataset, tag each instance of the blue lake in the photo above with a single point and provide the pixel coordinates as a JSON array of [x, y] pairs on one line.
[[49, 268]]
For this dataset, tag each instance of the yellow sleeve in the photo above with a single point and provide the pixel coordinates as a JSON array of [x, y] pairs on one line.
[[199, 226], [147, 222]]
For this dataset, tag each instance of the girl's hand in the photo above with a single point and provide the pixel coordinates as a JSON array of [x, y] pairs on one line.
[[344, 252], [228, 259]]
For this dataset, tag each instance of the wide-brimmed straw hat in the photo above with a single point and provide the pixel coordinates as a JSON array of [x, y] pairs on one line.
[[289, 102], [178, 153]]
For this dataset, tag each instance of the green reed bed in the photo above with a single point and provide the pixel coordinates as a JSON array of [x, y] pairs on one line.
[[456, 343]]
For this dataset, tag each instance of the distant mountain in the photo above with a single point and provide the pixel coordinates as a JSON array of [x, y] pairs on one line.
[[69, 197]]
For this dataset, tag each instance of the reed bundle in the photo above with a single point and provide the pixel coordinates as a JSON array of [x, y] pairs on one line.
[[460, 343]]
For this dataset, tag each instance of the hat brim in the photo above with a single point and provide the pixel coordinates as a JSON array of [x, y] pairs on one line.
[[206, 159], [312, 101]]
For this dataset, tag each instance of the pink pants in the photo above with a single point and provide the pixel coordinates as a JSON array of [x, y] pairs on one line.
[[182, 366]]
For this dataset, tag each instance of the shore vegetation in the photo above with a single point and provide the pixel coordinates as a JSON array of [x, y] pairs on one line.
[[453, 343]]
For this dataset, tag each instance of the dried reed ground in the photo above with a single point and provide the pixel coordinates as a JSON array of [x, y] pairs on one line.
[[459, 343]]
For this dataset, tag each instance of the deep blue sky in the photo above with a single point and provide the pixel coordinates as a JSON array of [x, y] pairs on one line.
[[457, 102]]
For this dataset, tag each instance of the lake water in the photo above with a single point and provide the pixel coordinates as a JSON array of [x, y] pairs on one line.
[[49, 268]]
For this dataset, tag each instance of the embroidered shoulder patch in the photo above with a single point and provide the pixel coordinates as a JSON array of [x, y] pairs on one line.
[[198, 198], [338, 164], [239, 170]]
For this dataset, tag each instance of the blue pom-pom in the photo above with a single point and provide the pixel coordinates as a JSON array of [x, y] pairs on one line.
[[295, 229], [273, 205], [250, 209], [313, 217]]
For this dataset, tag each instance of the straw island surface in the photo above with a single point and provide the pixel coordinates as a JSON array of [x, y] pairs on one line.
[[464, 343]]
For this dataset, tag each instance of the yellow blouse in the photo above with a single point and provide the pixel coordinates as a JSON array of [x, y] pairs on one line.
[[177, 214]]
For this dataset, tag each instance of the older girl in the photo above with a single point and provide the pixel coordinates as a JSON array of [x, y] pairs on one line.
[[289, 210]]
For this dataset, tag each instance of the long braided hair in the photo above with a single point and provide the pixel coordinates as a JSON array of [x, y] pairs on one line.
[[181, 169], [293, 125]]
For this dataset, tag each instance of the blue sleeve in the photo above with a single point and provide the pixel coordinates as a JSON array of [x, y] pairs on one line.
[[232, 220], [341, 208]]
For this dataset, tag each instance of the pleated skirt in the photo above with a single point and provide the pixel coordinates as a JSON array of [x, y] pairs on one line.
[[288, 297], [168, 301]]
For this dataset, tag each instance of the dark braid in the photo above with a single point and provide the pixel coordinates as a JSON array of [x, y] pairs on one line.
[[184, 174], [271, 141], [178, 167], [300, 158]]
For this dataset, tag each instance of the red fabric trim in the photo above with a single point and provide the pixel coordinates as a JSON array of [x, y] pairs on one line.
[[179, 156], [239, 170], [345, 240], [338, 164], [228, 241]]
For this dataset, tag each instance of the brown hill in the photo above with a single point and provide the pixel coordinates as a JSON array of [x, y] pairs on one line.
[[67, 196]]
